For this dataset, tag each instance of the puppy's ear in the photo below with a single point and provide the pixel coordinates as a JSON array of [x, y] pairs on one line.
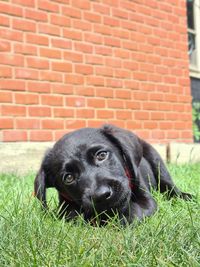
[[128, 144], [43, 179]]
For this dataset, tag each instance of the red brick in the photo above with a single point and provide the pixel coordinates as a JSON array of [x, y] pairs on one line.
[[133, 105], [41, 87], [85, 113], [131, 65], [84, 91], [75, 124], [150, 124], [13, 60], [37, 39], [133, 125], [48, 6], [104, 71], [84, 69], [112, 62], [71, 12], [75, 101], [73, 56], [93, 38], [157, 115], [26, 99], [115, 104], [166, 125], [130, 84], [41, 135], [114, 83], [7, 8], [104, 92], [72, 34], [82, 25], [39, 111], [86, 48], [51, 76], [142, 115], [49, 29], [111, 41], [92, 17], [5, 72], [14, 135], [38, 63], [96, 103], [122, 74], [36, 15], [23, 25], [94, 59], [124, 115], [95, 81], [102, 29], [62, 66], [81, 4], [103, 50], [120, 13], [111, 21], [25, 49], [24, 73], [53, 124], [74, 79], [52, 100], [62, 89], [172, 116], [172, 134], [50, 53], [5, 97], [128, 25], [5, 46], [105, 114], [150, 105], [61, 43], [4, 21], [158, 134], [122, 34], [6, 123], [101, 9], [27, 123], [13, 85], [123, 94], [63, 112], [13, 110], [28, 3]]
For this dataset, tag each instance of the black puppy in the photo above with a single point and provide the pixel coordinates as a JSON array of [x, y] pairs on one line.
[[104, 171]]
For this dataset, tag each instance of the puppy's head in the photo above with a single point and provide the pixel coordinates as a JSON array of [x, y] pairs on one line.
[[94, 168]]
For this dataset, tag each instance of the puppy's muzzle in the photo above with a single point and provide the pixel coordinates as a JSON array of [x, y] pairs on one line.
[[102, 194]]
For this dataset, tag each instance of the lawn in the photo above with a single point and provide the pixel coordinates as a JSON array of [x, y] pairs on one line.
[[28, 237]]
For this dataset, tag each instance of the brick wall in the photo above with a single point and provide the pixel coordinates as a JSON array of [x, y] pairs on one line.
[[67, 64]]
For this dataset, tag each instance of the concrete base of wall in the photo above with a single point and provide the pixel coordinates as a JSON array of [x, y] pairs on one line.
[[21, 158]]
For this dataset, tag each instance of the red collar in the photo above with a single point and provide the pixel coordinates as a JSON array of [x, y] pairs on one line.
[[129, 178]]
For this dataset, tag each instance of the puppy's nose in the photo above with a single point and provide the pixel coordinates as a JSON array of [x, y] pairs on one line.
[[102, 193]]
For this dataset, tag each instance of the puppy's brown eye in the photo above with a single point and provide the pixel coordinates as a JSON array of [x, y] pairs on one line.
[[68, 178], [102, 155]]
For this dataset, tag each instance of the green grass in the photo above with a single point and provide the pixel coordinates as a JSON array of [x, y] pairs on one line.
[[28, 237]]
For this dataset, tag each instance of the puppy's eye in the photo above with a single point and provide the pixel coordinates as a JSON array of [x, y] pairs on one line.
[[68, 178], [101, 155]]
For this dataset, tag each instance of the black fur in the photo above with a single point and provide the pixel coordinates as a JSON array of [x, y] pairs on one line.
[[104, 171]]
